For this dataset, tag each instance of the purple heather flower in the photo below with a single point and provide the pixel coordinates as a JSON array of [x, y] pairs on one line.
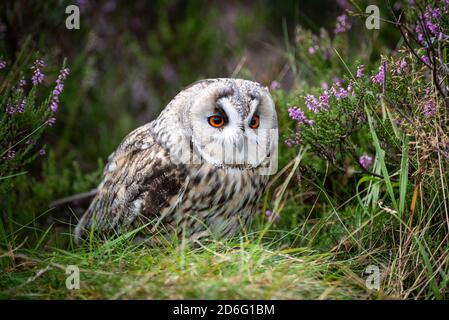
[[297, 114], [342, 24], [365, 161], [401, 66], [429, 108], [272, 216], [324, 85], [338, 81], [42, 152], [425, 59], [341, 93], [360, 71], [2, 64], [312, 103], [291, 142], [22, 83], [324, 100], [58, 89], [54, 104], [379, 78], [275, 85], [51, 121], [21, 106], [429, 22], [38, 76], [10, 110]]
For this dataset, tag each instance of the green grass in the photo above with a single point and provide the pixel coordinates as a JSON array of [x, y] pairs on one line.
[[242, 269]]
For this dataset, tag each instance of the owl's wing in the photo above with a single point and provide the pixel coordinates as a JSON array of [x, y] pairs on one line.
[[140, 183]]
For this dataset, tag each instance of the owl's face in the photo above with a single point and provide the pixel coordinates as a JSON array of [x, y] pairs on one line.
[[233, 123]]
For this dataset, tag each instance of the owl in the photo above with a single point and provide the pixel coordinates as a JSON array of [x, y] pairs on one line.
[[197, 170]]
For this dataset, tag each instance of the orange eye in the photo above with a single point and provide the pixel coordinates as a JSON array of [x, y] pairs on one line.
[[255, 122], [216, 121]]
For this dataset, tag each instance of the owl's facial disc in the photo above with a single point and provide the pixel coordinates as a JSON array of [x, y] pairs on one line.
[[233, 128]]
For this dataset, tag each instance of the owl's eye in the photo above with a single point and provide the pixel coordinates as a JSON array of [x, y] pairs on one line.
[[216, 121], [255, 122]]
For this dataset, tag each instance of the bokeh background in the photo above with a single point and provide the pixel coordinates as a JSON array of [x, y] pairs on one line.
[[130, 58]]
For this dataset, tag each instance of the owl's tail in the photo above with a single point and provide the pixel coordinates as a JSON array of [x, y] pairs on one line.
[[68, 211]]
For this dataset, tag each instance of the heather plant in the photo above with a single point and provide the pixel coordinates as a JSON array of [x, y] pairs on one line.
[[384, 128], [27, 111]]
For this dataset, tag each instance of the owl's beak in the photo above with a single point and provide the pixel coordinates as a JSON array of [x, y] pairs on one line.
[[240, 143]]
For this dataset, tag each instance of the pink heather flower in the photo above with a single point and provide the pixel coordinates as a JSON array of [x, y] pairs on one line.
[[342, 24], [379, 78], [297, 114], [365, 161], [312, 103], [275, 85], [401, 66], [272, 216], [360, 71], [58, 89], [429, 108], [2, 64], [324, 100], [51, 121], [333, 91], [350, 88], [312, 50], [324, 85]]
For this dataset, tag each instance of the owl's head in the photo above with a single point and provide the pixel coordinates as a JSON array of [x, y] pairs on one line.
[[229, 123]]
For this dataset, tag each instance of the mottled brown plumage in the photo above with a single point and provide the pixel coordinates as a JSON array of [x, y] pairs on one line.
[[172, 174]]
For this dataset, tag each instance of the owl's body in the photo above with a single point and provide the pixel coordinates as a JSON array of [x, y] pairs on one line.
[[172, 176]]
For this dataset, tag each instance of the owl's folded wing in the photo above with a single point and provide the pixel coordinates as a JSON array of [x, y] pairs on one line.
[[139, 182]]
